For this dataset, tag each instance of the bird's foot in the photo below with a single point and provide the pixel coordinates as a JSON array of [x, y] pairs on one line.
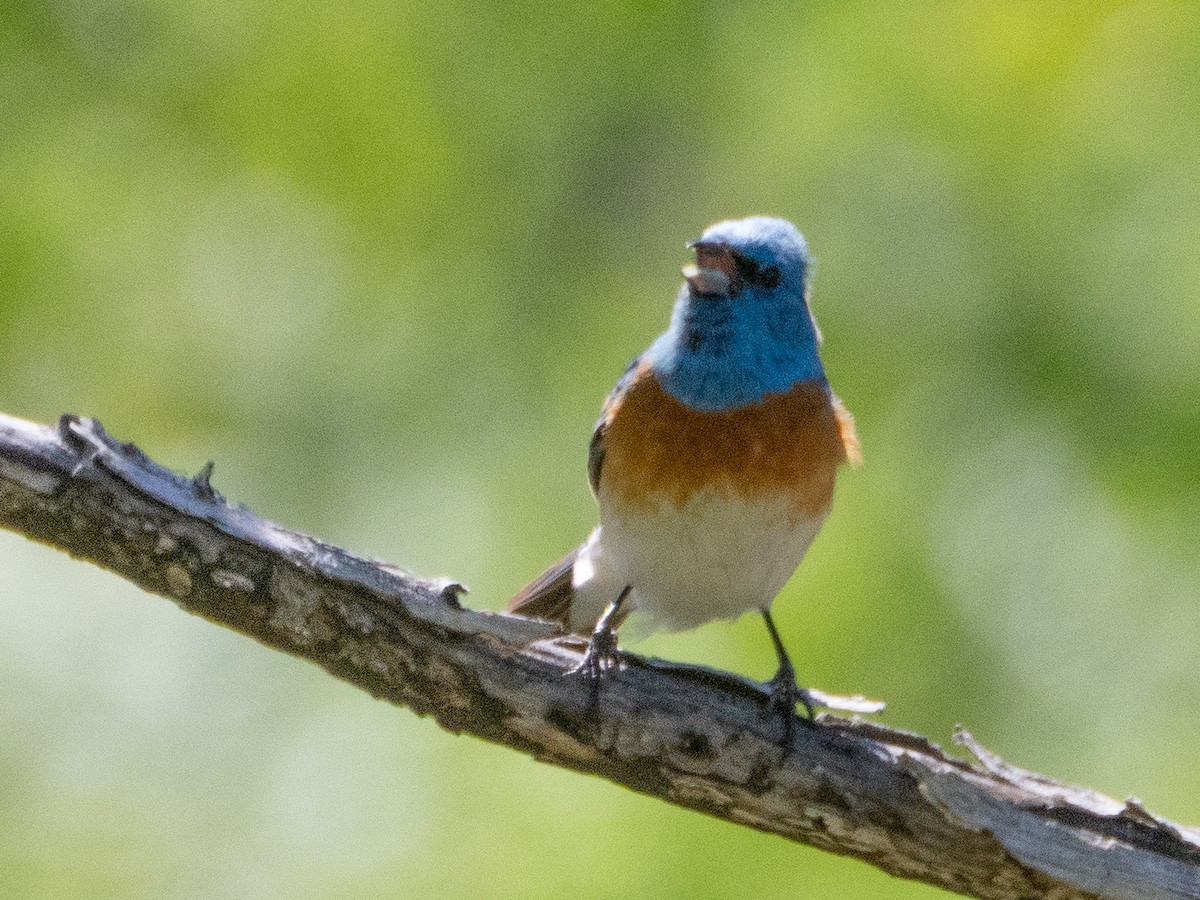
[[784, 694], [602, 656]]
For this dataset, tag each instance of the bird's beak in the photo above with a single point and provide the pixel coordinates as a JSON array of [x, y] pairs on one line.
[[714, 272]]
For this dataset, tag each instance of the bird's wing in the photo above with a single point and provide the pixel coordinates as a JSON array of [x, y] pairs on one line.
[[633, 373], [549, 595]]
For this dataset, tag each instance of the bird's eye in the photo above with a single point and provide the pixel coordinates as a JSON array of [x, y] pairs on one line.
[[750, 272], [747, 268]]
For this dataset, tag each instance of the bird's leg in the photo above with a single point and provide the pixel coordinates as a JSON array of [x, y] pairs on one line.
[[785, 693], [602, 654]]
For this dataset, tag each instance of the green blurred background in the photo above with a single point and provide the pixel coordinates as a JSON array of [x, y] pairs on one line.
[[382, 261]]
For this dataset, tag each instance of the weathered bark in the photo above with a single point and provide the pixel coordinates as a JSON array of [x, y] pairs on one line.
[[691, 736]]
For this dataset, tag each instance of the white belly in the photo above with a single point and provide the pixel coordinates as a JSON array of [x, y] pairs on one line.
[[714, 559]]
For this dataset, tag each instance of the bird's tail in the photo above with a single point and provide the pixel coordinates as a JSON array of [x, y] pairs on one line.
[[549, 595]]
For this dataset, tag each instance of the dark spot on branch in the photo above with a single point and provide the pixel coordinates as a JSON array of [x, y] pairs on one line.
[[696, 745], [760, 780]]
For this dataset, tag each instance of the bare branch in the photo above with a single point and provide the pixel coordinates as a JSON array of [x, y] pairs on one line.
[[688, 735]]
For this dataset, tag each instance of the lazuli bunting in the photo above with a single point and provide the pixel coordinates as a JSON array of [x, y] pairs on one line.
[[713, 460]]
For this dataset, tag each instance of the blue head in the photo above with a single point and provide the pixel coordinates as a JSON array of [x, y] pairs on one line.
[[741, 328]]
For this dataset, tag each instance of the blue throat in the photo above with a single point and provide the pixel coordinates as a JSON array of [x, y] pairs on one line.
[[722, 352]]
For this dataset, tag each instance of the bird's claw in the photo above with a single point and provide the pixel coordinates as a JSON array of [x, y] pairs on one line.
[[602, 656]]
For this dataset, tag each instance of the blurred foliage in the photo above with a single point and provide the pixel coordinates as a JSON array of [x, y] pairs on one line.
[[381, 262]]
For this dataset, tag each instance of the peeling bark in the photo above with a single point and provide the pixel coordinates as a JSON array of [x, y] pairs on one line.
[[691, 736]]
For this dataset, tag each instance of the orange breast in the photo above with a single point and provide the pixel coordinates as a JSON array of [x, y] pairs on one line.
[[788, 445]]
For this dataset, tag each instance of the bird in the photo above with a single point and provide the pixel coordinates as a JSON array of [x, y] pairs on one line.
[[713, 460]]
